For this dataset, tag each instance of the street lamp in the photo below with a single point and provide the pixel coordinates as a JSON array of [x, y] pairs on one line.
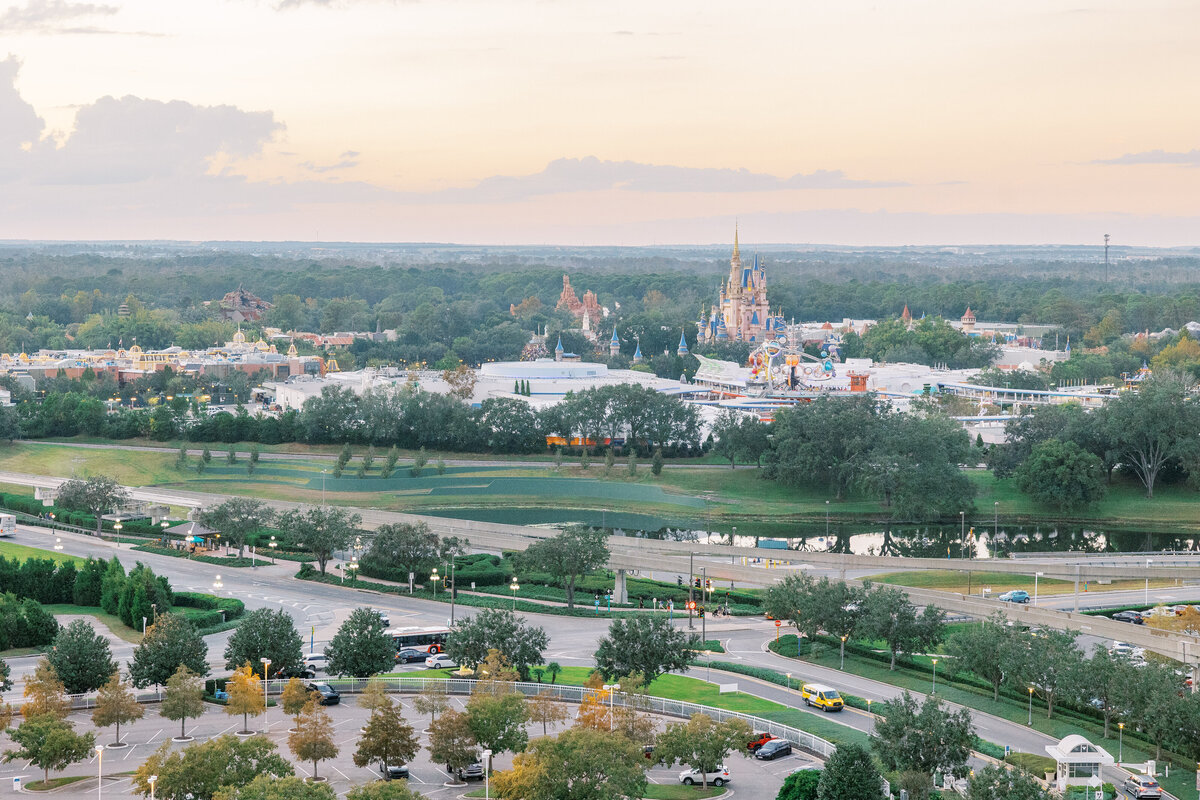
[[789, 681], [1149, 561], [611, 688], [117, 533], [58, 545], [266, 662], [934, 677], [826, 519], [514, 587], [353, 567], [434, 579], [323, 487], [453, 589], [1121, 748], [99, 770], [1030, 722], [870, 718], [273, 544], [217, 583], [962, 526], [153, 779], [843, 666], [995, 518], [1036, 575], [487, 768]]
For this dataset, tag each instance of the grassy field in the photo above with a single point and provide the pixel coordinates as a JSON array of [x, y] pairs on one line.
[[22, 552], [54, 783], [654, 791], [699, 496], [114, 623], [955, 581]]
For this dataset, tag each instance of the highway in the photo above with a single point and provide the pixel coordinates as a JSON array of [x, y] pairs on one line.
[[318, 609]]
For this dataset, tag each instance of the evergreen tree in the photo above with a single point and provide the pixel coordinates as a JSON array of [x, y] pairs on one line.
[[656, 463]]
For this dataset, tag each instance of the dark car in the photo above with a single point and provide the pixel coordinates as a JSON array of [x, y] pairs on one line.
[[471, 773], [1129, 616], [774, 749], [329, 696], [394, 771], [408, 655]]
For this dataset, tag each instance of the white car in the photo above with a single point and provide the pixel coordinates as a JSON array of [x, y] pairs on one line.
[[440, 661], [718, 777], [315, 662], [383, 615]]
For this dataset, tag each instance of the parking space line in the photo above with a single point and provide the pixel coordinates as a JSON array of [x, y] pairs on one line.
[[129, 752], [339, 772], [155, 736]]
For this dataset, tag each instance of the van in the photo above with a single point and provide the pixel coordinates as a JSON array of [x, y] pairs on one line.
[[822, 697], [8, 524]]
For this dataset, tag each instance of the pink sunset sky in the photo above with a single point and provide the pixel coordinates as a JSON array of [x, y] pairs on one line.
[[586, 122]]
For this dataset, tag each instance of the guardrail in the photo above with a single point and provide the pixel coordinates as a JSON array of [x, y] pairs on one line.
[[566, 694]]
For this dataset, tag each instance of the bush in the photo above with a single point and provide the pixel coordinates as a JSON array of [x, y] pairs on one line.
[[1031, 763], [232, 607]]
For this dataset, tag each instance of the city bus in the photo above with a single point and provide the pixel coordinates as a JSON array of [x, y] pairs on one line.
[[429, 640]]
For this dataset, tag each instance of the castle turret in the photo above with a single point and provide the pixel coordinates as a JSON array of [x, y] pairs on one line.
[[637, 353], [614, 344], [558, 350], [682, 350], [968, 322]]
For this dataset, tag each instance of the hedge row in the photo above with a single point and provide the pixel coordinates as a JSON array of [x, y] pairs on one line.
[[172, 552], [232, 607]]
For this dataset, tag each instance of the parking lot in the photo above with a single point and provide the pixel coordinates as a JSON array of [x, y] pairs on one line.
[[754, 778]]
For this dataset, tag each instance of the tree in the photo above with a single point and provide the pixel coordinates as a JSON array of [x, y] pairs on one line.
[[81, 658], [97, 494], [497, 717], [268, 787], [419, 462], [245, 696], [1154, 425], [116, 704], [497, 629], [387, 739], [399, 548], [312, 740], [384, 790], [452, 742], [925, 739], [322, 530], [44, 693], [361, 646], [888, 615], [800, 785], [183, 698], [828, 439], [649, 645], [294, 697], [575, 551], [546, 708], [112, 585], [578, 764], [265, 633], [1154, 700], [795, 600], [1108, 681], [999, 782], [989, 650], [702, 743], [170, 642], [432, 700], [5, 676], [839, 606], [656, 462], [199, 771], [461, 381], [237, 518], [850, 774], [50, 743], [1062, 475], [389, 464], [1053, 666]]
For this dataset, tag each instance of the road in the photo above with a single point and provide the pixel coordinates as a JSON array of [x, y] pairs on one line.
[[319, 609]]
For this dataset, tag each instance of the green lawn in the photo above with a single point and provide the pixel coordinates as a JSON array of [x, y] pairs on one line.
[[654, 791], [22, 552], [114, 623], [955, 581], [54, 783]]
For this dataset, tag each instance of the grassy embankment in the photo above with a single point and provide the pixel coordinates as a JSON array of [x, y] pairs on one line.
[[956, 582]]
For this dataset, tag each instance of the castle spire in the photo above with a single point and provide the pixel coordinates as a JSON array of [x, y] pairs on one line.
[[736, 252]]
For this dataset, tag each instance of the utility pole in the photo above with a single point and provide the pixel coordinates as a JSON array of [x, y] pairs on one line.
[[691, 592], [703, 619], [1106, 258]]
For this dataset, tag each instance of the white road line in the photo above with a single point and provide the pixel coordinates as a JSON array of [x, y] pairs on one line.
[[339, 772], [226, 730], [130, 752], [155, 736], [343, 722]]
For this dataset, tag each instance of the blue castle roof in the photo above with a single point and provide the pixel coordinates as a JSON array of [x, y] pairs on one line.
[[637, 353], [559, 349], [683, 348], [615, 339]]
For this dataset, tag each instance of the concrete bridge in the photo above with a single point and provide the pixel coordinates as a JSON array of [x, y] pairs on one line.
[[733, 563]]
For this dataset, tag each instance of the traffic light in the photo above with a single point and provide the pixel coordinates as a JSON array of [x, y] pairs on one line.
[[696, 582], [679, 580], [700, 611], [708, 584]]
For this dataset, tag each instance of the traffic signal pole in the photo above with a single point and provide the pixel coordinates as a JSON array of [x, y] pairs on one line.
[[691, 591]]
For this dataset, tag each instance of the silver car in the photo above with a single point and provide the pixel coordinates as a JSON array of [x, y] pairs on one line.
[[1141, 786]]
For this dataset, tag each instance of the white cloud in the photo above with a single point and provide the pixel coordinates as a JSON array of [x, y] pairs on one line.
[[49, 15], [1189, 158]]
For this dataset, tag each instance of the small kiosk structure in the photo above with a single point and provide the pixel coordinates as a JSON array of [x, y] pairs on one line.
[[1077, 760]]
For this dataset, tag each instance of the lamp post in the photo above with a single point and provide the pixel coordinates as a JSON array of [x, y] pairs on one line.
[[514, 587], [826, 519], [843, 666], [870, 718], [266, 662], [99, 771], [433, 577], [1121, 746], [453, 590], [611, 688], [353, 567], [1036, 575], [1149, 561], [58, 545], [323, 487], [934, 677], [487, 768], [995, 518], [217, 582], [789, 681], [117, 535], [1030, 721], [153, 779], [962, 527], [273, 544]]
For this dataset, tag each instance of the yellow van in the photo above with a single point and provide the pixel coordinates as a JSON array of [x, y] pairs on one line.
[[822, 697]]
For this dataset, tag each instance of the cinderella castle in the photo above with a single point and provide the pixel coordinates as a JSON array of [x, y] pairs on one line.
[[741, 313]]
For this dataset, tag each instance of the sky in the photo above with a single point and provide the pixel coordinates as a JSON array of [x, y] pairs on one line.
[[589, 122]]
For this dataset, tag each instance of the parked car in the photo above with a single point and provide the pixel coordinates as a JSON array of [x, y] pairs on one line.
[[440, 661], [1129, 616], [329, 695], [471, 773], [1120, 650], [315, 662], [394, 771], [1015, 596], [408, 655], [774, 749], [383, 615], [1159, 611], [823, 697], [758, 740], [1141, 786], [717, 777]]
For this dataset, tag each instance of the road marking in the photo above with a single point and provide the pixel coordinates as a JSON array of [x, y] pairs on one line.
[[339, 772], [155, 736], [130, 751]]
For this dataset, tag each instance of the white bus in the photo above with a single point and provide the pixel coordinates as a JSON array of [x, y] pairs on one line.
[[8, 525], [427, 640]]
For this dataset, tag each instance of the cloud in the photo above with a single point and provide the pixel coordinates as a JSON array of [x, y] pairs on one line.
[[1190, 158], [593, 175], [49, 15], [345, 163]]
